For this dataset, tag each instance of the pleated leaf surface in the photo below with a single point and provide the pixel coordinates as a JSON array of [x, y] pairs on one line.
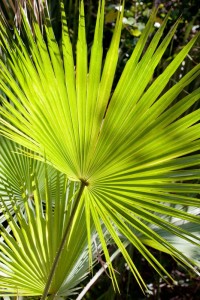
[[133, 148]]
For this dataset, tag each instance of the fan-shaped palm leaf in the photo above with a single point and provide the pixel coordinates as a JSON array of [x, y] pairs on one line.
[[17, 170], [133, 153], [20, 196], [28, 250]]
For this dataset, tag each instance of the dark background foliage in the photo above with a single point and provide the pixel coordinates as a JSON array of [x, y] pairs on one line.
[[187, 287]]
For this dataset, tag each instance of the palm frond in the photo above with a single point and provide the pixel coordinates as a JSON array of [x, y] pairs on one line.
[[28, 251], [17, 169], [133, 153]]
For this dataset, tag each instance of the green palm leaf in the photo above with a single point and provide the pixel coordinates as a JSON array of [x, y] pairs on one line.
[[17, 170], [28, 251], [131, 152]]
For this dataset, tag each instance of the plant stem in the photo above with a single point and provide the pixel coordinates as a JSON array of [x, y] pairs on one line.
[[99, 273], [62, 244]]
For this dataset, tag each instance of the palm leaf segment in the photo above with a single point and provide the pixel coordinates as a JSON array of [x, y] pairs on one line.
[[36, 202], [28, 253], [130, 151], [16, 171]]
